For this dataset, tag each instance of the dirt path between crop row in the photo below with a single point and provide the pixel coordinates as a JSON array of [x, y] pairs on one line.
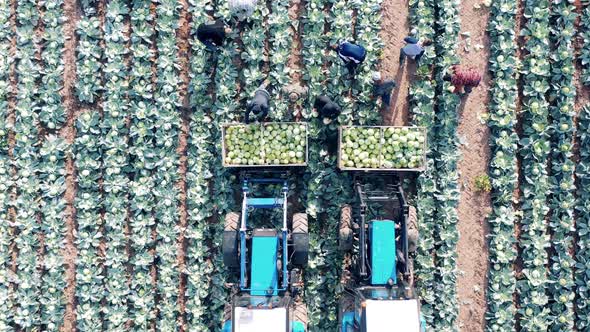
[[395, 27], [474, 206]]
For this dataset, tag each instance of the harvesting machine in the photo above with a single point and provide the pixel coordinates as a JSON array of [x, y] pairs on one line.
[[379, 294], [269, 260]]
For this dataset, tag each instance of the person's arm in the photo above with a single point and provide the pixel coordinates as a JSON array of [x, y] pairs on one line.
[[247, 116]]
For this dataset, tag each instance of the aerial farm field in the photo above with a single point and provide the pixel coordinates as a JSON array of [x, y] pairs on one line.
[[113, 192]]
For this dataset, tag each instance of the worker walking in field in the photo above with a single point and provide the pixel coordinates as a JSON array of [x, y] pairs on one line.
[[352, 54], [382, 89], [326, 109], [463, 79], [212, 34], [414, 49], [258, 106], [242, 9]]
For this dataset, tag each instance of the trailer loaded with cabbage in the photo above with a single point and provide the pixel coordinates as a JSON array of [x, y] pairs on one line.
[[379, 294]]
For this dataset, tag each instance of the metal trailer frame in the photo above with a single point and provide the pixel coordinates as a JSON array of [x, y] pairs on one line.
[[224, 127], [381, 128], [244, 228], [395, 193]]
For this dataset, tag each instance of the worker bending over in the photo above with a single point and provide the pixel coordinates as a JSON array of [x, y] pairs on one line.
[[382, 89], [414, 49], [327, 109], [352, 55], [258, 106], [463, 79], [212, 34]]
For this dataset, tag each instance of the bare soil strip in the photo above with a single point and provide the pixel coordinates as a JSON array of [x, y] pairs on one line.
[[474, 206]]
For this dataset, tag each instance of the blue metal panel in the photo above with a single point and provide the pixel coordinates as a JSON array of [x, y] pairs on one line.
[[297, 327], [265, 203], [347, 322], [226, 326], [383, 259], [264, 274]]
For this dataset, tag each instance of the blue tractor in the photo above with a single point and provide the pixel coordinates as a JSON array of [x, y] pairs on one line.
[[379, 293], [269, 262]]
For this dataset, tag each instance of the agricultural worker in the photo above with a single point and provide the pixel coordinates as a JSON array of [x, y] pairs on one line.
[[463, 79], [242, 9], [326, 109], [258, 106], [382, 89], [352, 55], [212, 34], [414, 49]]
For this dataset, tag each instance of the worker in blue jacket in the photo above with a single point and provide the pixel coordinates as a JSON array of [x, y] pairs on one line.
[[414, 49], [352, 55]]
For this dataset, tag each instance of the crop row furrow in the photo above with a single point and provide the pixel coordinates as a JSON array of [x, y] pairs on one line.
[[281, 39], [584, 38], [503, 172], [561, 175]]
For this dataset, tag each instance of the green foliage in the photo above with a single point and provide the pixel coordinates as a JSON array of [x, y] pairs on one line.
[[583, 222], [561, 175], [89, 54], [584, 56], [534, 239], [503, 66], [483, 183], [142, 157]]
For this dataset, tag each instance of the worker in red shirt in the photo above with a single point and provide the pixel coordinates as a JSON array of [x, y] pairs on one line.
[[463, 79]]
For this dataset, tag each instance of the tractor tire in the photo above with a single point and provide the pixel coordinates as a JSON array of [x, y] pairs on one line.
[[230, 240], [345, 233], [300, 313], [227, 312], [410, 272], [412, 223], [300, 239]]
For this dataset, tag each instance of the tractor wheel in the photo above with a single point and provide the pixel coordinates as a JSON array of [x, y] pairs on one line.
[[227, 312], [345, 235], [300, 314], [230, 240], [410, 272], [300, 239], [412, 223]]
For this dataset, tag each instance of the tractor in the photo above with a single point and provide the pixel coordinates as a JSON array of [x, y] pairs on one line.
[[269, 261], [379, 231]]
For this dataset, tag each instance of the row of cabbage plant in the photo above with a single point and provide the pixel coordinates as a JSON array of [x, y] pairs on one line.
[[52, 113], [503, 168], [422, 93], [52, 167], [26, 162], [115, 155], [561, 174], [89, 53], [583, 222], [280, 30], [144, 159], [199, 197], [253, 54], [52, 183], [584, 39], [224, 110], [534, 185], [166, 191], [321, 273], [6, 36], [446, 146]]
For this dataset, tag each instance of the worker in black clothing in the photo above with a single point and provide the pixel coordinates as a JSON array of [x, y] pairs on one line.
[[212, 34], [352, 55], [258, 106], [327, 109], [382, 89]]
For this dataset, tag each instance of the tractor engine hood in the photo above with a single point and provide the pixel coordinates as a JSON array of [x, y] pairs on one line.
[[392, 315], [260, 320]]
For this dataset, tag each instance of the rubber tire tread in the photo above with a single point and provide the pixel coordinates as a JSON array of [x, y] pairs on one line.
[[345, 243], [300, 223], [412, 223], [300, 313], [232, 222]]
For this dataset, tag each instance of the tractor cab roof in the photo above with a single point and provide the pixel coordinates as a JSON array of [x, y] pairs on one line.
[[392, 315]]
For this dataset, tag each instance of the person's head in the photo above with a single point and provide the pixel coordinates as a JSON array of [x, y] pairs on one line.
[[227, 30], [256, 109], [293, 97], [426, 42], [376, 76]]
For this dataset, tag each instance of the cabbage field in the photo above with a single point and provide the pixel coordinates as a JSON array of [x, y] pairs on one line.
[[112, 180]]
